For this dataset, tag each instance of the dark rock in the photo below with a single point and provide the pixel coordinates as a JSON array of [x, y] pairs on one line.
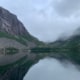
[[10, 24]]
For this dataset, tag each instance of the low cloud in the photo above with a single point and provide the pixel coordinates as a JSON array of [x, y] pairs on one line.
[[46, 19], [67, 7]]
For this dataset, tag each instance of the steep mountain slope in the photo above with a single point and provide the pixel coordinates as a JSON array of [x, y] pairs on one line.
[[11, 26], [15, 43]]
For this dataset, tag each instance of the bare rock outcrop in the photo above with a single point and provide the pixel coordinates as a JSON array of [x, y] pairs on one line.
[[10, 24]]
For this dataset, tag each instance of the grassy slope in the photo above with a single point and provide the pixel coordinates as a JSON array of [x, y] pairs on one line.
[[22, 39], [23, 61], [70, 48], [19, 39]]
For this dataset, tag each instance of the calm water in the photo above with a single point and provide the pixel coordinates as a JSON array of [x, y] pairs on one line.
[[52, 69]]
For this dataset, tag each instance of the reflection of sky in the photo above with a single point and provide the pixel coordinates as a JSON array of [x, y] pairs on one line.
[[52, 70], [46, 19]]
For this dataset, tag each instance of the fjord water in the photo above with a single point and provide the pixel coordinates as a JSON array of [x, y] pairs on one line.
[[53, 69]]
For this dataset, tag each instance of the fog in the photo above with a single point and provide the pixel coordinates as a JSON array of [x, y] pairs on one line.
[[46, 19], [52, 69]]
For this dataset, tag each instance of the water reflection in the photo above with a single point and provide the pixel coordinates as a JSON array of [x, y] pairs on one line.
[[52, 69]]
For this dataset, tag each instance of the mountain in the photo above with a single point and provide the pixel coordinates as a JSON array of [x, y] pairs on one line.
[[10, 24], [11, 27], [15, 45], [15, 40], [69, 47]]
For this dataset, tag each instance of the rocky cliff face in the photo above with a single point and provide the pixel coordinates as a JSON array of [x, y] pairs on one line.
[[10, 24], [13, 32]]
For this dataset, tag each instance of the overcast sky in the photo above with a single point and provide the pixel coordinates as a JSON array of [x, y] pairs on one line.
[[46, 19]]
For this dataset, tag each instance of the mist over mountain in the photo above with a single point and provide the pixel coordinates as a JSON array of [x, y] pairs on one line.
[[13, 35], [46, 19]]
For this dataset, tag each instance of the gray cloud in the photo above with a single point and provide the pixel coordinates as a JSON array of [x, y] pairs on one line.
[[46, 19], [67, 7]]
